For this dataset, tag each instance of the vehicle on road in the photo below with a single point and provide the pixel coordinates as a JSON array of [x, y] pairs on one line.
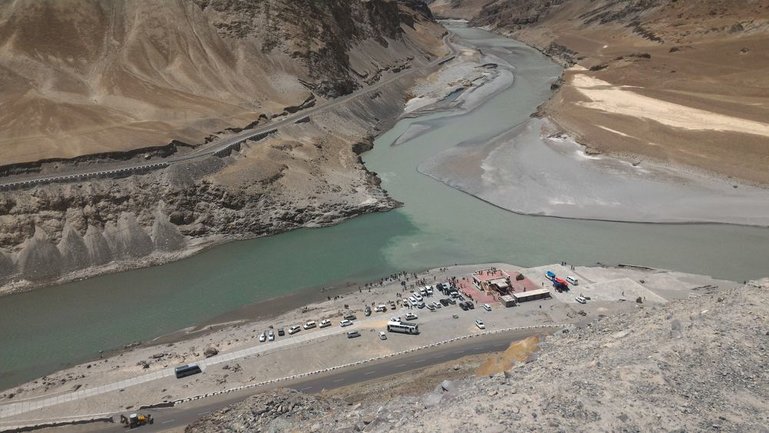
[[403, 327], [487, 307], [135, 420], [187, 370], [581, 299], [382, 335], [270, 335], [572, 280], [324, 323], [262, 337], [345, 322], [410, 316], [479, 324], [281, 332], [294, 329], [353, 334]]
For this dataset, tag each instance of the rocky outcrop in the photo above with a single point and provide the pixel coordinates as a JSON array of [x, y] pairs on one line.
[[166, 236], [7, 267], [99, 252], [39, 259], [127, 239], [74, 252]]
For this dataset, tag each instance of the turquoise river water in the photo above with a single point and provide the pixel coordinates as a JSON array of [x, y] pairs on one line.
[[47, 329]]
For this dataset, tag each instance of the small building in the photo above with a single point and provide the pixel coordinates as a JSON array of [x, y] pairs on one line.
[[507, 300], [531, 295], [492, 280]]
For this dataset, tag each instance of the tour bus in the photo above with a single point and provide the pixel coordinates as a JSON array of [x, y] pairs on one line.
[[187, 370], [403, 327]]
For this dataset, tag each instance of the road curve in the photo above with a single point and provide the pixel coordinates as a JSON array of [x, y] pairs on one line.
[[178, 417], [224, 144]]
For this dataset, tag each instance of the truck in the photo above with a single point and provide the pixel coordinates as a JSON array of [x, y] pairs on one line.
[[560, 284]]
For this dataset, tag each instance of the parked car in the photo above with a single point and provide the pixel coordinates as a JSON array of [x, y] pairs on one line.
[[423, 291], [281, 332], [350, 317], [324, 323], [487, 307], [463, 306], [437, 304], [470, 305], [572, 280], [345, 322], [410, 316], [311, 324], [479, 324], [431, 307], [262, 337], [417, 296], [294, 329], [581, 299], [270, 335], [452, 301], [429, 290], [381, 308], [382, 335], [445, 302], [367, 311], [353, 334], [421, 305]]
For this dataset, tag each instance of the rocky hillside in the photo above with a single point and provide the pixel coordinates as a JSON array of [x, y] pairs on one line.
[[691, 365], [678, 81], [93, 76], [84, 77]]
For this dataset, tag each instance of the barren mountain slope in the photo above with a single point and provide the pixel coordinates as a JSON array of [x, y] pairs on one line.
[[89, 76], [84, 76], [680, 81], [691, 365]]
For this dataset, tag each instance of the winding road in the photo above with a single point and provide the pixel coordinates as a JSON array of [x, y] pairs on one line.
[[177, 417], [222, 144]]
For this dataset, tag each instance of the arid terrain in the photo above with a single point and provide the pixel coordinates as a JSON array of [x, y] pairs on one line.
[[108, 82], [681, 82], [689, 365]]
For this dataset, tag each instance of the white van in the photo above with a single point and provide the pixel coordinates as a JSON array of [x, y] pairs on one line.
[[572, 280]]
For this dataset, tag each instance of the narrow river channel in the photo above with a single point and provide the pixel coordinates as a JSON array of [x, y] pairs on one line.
[[48, 329]]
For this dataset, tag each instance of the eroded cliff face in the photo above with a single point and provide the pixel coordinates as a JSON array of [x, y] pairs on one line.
[[219, 55]]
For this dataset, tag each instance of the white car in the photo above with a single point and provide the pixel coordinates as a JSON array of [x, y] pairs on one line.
[[581, 299], [382, 335], [381, 308], [417, 296], [479, 324], [294, 329], [262, 337], [324, 323], [270, 335], [437, 304], [311, 324], [345, 322], [572, 280], [410, 316], [487, 307]]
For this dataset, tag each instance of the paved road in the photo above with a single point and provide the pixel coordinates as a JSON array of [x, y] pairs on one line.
[[178, 417], [221, 145]]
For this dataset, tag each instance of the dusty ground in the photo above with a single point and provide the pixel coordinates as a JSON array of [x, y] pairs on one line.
[[327, 347], [680, 82]]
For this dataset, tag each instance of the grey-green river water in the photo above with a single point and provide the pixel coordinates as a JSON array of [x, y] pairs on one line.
[[47, 329]]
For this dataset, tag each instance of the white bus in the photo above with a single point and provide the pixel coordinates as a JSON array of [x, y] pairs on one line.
[[403, 327]]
